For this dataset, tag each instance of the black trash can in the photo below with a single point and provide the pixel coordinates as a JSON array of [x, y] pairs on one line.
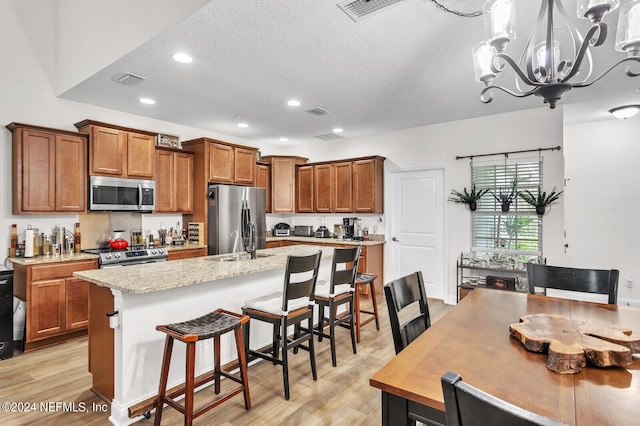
[[6, 313]]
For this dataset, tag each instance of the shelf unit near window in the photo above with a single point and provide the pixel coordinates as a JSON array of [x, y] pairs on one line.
[[466, 270]]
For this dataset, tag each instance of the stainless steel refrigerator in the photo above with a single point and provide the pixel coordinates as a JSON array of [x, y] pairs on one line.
[[232, 211]]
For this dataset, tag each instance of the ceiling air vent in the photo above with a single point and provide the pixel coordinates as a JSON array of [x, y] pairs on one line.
[[360, 9], [128, 79], [317, 111], [328, 137]]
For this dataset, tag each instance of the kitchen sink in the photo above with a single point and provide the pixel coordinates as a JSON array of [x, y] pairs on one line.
[[243, 256]]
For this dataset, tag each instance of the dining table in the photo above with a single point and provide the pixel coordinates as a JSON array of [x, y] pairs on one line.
[[473, 340]]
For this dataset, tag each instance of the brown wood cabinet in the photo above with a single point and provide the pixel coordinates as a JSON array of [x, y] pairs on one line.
[[244, 164], [56, 302], [263, 180], [304, 189], [216, 161], [174, 181], [49, 171], [343, 187], [323, 184], [119, 151], [368, 185], [283, 182], [187, 253]]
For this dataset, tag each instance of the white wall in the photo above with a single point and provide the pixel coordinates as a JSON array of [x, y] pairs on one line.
[[601, 202], [438, 145]]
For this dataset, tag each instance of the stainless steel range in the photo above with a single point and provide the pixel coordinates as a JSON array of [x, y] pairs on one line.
[[109, 258]]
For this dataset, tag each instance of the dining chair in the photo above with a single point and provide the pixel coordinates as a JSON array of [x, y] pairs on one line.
[[408, 309], [598, 281], [290, 307], [337, 292], [466, 405]]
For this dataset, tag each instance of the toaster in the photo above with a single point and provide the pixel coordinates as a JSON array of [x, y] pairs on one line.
[[282, 230], [303, 231]]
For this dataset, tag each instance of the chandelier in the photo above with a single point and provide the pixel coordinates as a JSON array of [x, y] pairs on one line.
[[541, 70]]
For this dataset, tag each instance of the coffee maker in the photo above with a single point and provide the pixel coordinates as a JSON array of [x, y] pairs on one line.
[[349, 224]]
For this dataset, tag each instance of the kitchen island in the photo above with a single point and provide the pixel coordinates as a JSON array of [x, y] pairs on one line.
[[125, 350]]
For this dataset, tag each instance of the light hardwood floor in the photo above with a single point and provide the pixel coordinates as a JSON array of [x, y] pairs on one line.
[[340, 396]]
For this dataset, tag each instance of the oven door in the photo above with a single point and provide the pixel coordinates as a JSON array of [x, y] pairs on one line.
[[119, 194], [134, 262]]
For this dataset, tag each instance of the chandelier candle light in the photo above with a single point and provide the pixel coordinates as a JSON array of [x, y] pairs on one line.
[[541, 67]]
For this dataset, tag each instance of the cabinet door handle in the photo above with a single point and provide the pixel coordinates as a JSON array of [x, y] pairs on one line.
[[395, 239]]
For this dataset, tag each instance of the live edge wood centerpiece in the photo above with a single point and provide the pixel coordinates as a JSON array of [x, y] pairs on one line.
[[572, 344]]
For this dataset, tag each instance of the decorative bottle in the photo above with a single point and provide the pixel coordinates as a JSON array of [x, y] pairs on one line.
[[77, 239], [14, 240]]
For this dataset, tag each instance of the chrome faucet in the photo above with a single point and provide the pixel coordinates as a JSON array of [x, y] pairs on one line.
[[251, 247]]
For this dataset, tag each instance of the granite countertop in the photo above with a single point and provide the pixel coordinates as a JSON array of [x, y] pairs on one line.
[[152, 277], [41, 260], [184, 247], [328, 241]]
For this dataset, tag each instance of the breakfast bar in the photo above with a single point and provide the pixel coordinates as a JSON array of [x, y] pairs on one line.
[[126, 304]]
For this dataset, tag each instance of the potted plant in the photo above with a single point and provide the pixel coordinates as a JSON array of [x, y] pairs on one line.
[[469, 198], [505, 198], [541, 200]]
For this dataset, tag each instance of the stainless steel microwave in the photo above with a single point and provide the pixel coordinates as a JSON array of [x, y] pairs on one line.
[[121, 194]]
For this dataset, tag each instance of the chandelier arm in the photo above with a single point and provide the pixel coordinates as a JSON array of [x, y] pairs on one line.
[[627, 71], [584, 48], [525, 79], [488, 99]]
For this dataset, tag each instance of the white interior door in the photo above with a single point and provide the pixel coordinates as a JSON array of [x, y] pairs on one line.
[[417, 227]]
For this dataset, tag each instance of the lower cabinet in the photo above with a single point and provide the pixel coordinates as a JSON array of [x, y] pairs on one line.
[[57, 304], [186, 253]]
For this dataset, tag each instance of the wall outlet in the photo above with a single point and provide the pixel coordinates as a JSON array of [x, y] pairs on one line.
[[629, 281]]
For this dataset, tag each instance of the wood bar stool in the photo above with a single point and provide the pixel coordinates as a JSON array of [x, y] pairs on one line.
[[211, 325], [364, 280]]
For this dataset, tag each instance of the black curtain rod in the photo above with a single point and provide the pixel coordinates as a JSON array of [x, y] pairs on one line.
[[506, 154]]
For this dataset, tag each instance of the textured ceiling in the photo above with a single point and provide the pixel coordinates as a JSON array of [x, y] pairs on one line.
[[408, 66]]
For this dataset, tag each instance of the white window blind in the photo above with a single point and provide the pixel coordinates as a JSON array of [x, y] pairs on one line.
[[518, 232]]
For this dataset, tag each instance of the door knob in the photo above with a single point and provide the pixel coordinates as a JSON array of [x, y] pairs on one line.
[[395, 239]]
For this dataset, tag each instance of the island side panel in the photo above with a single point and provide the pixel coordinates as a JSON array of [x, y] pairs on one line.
[[101, 345]]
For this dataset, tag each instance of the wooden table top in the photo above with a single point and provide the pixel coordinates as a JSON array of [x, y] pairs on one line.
[[473, 340]]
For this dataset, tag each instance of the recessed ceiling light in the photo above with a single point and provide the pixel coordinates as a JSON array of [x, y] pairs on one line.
[[147, 101], [243, 125], [182, 57], [293, 102], [625, 112], [284, 140], [337, 130]]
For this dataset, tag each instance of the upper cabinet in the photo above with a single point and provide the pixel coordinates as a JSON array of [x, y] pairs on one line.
[[342, 193], [174, 181], [344, 186], [304, 189], [216, 161], [283, 182], [323, 185], [223, 162], [263, 180], [119, 151], [49, 173], [368, 185]]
